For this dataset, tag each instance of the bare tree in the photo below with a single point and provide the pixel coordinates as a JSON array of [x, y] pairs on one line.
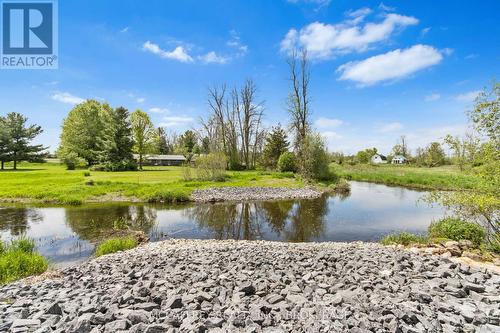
[[249, 118], [235, 122], [298, 99]]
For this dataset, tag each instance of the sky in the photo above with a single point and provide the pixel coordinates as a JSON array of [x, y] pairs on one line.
[[378, 70]]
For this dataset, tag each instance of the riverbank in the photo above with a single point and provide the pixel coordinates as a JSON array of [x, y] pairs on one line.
[[257, 286], [51, 183], [437, 178]]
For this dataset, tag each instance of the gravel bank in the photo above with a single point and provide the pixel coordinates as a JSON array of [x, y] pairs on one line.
[[253, 193], [239, 286]]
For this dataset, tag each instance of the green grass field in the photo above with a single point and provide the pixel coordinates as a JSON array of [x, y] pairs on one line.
[[438, 178], [52, 183]]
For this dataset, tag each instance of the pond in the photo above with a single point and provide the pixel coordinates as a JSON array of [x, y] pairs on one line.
[[68, 235]]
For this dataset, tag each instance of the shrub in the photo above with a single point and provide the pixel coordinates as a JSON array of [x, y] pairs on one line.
[[456, 229], [314, 160], [86, 174], [287, 162], [72, 161], [403, 238], [19, 260], [113, 245], [211, 167], [115, 166]]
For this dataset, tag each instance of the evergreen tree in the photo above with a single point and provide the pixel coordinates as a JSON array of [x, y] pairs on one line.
[[276, 144], [121, 147], [161, 144], [19, 137]]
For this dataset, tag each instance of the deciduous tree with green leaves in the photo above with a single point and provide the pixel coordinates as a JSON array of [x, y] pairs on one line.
[[482, 204], [143, 133], [88, 132]]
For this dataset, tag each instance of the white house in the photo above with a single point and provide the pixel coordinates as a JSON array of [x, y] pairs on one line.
[[399, 159], [378, 159]]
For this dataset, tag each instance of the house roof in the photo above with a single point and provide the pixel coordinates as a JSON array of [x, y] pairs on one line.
[[166, 157], [399, 157], [163, 157], [381, 156]]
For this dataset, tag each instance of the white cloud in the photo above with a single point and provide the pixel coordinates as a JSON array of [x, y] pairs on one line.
[[389, 127], [471, 56], [324, 40], [176, 121], [331, 135], [468, 96], [158, 110], [391, 65], [328, 122], [357, 16], [124, 29], [425, 31], [432, 97], [212, 57], [235, 43], [179, 53], [141, 100], [67, 98], [386, 8]]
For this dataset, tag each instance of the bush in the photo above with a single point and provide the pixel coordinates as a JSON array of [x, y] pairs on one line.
[[72, 161], [455, 229], [403, 238], [314, 160], [86, 174], [18, 260], [115, 166], [287, 162], [211, 167], [113, 245]]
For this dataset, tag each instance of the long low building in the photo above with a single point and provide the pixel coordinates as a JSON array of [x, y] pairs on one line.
[[162, 159]]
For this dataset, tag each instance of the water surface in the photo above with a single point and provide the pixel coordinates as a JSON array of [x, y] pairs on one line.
[[68, 234]]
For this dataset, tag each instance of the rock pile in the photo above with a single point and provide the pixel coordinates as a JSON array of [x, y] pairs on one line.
[[240, 286], [253, 193]]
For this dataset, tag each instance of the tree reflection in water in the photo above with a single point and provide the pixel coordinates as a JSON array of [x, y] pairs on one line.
[[93, 222], [16, 219], [293, 221]]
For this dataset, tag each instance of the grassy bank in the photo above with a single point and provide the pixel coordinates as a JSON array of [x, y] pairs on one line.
[[438, 178], [19, 259], [52, 183]]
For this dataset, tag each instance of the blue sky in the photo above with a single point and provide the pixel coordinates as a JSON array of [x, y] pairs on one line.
[[379, 70]]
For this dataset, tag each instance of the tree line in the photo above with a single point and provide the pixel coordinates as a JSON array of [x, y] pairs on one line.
[[97, 135]]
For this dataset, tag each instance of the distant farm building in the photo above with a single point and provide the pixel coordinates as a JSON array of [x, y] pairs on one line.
[[399, 159], [378, 159], [164, 160]]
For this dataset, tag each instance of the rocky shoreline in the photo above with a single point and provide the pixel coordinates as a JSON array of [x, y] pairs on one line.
[[257, 286], [253, 193]]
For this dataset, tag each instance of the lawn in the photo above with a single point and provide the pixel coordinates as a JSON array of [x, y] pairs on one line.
[[437, 178], [52, 183]]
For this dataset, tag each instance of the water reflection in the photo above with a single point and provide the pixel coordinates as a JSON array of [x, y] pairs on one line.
[[94, 222], [69, 234], [16, 220]]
